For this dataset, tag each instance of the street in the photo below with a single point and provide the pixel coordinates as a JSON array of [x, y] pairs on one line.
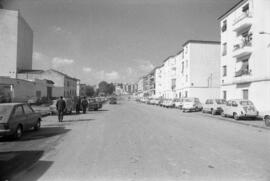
[[133, 141]]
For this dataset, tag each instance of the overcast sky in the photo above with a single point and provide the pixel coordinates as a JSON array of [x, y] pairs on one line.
[[115, 40]]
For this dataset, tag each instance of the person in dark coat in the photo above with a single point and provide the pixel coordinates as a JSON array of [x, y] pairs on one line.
[[84, 105], [78, 105], [61, 106]]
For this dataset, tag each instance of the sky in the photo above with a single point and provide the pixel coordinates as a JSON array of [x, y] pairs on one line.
[[115, 40]]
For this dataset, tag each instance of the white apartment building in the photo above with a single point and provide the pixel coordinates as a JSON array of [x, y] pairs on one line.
[[245, 53], [198, 72], [169, 78], [159, 81], [16, 45]]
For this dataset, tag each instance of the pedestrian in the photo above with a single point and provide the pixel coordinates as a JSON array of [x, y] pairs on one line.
[[61, 106], [84, 104], [78, 105]]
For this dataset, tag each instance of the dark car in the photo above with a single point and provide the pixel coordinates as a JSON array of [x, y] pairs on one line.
[[93, 104], [15, 118], [113, 100]]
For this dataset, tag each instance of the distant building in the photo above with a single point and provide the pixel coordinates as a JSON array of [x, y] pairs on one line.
[[16, 45], [245, 53], [64, 85]]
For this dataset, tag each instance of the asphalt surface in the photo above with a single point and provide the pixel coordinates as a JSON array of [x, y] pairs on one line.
[[133, 141]]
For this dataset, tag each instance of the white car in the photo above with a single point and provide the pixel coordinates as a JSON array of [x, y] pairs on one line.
[[178, 103], [192, 104], [240, 108], [214, 106], [266, 117], [169, 103]]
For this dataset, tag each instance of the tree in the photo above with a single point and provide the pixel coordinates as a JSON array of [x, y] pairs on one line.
[[89, 91], [106, 88]]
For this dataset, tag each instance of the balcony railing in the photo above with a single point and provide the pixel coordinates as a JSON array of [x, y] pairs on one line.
[[246, 42], [244, 15], [242, 72]]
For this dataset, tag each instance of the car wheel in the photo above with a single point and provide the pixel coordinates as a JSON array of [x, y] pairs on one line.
[[223, 114], [18, 133], [213, 112], [267, 121], [37, 126], [235, 116]]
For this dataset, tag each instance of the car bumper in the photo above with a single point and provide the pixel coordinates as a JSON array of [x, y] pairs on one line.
[[5, 132]]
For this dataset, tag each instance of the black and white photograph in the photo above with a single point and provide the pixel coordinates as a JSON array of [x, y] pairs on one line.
[[134, 90]]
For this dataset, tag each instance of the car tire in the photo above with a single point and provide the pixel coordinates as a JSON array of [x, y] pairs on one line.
[[235, 116], [213, 112], [267, 121], [37, 126], [18, 132], [223, 114]]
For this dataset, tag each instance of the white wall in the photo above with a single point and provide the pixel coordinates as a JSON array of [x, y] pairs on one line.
[[8, 42]]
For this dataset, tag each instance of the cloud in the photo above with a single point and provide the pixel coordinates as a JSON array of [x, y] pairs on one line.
[[87, 69], [112, 75], [146, 66], [58, 62]]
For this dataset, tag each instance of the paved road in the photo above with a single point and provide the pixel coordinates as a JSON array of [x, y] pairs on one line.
[[132, 141]]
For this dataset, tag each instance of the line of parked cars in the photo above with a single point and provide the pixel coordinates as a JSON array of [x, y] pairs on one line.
[[235, 108]]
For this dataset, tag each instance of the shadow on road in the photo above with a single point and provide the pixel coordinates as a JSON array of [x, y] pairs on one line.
[[80, 120], [44, 132], [12, 163]]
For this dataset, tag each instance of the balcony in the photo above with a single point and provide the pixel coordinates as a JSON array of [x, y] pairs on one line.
[[243, 48], [243, 75], [242, 22]]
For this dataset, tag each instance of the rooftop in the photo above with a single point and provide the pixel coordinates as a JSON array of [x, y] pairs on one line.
[[233, 8], [201, 42]]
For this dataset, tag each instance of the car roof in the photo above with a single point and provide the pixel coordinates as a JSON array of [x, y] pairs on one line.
[[11, 104]]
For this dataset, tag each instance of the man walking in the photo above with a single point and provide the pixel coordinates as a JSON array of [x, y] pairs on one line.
[[61, 106], [84, 105], [78, 105]]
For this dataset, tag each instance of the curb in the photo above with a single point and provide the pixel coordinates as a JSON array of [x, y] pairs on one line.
[[237, 122]]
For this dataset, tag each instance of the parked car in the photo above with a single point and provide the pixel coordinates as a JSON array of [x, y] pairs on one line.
[[169, 103], [99, 101], [70, 106], [34, 101], [192, 104], [93, 104], [15, 118], [266, 117], [240, 108], [214, 106], [113, 100], [178, 102]]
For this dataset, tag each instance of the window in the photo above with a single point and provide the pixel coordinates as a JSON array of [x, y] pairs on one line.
[[173, 84], [224, 71], [183, 64], [224, 95], [224, 49], [245, 94], [18, 111], [224, 26], [27, 109], [245, 9], [180, 95], [186, 93]]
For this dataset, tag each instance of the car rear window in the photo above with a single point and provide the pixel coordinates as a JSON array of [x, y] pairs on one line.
[[220, 101], [246, 103], [5, 110]]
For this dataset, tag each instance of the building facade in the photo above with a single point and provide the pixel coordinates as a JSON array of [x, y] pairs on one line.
[[16, 45], [198, 72], [245, 53], [21, 90], [64, 85]]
